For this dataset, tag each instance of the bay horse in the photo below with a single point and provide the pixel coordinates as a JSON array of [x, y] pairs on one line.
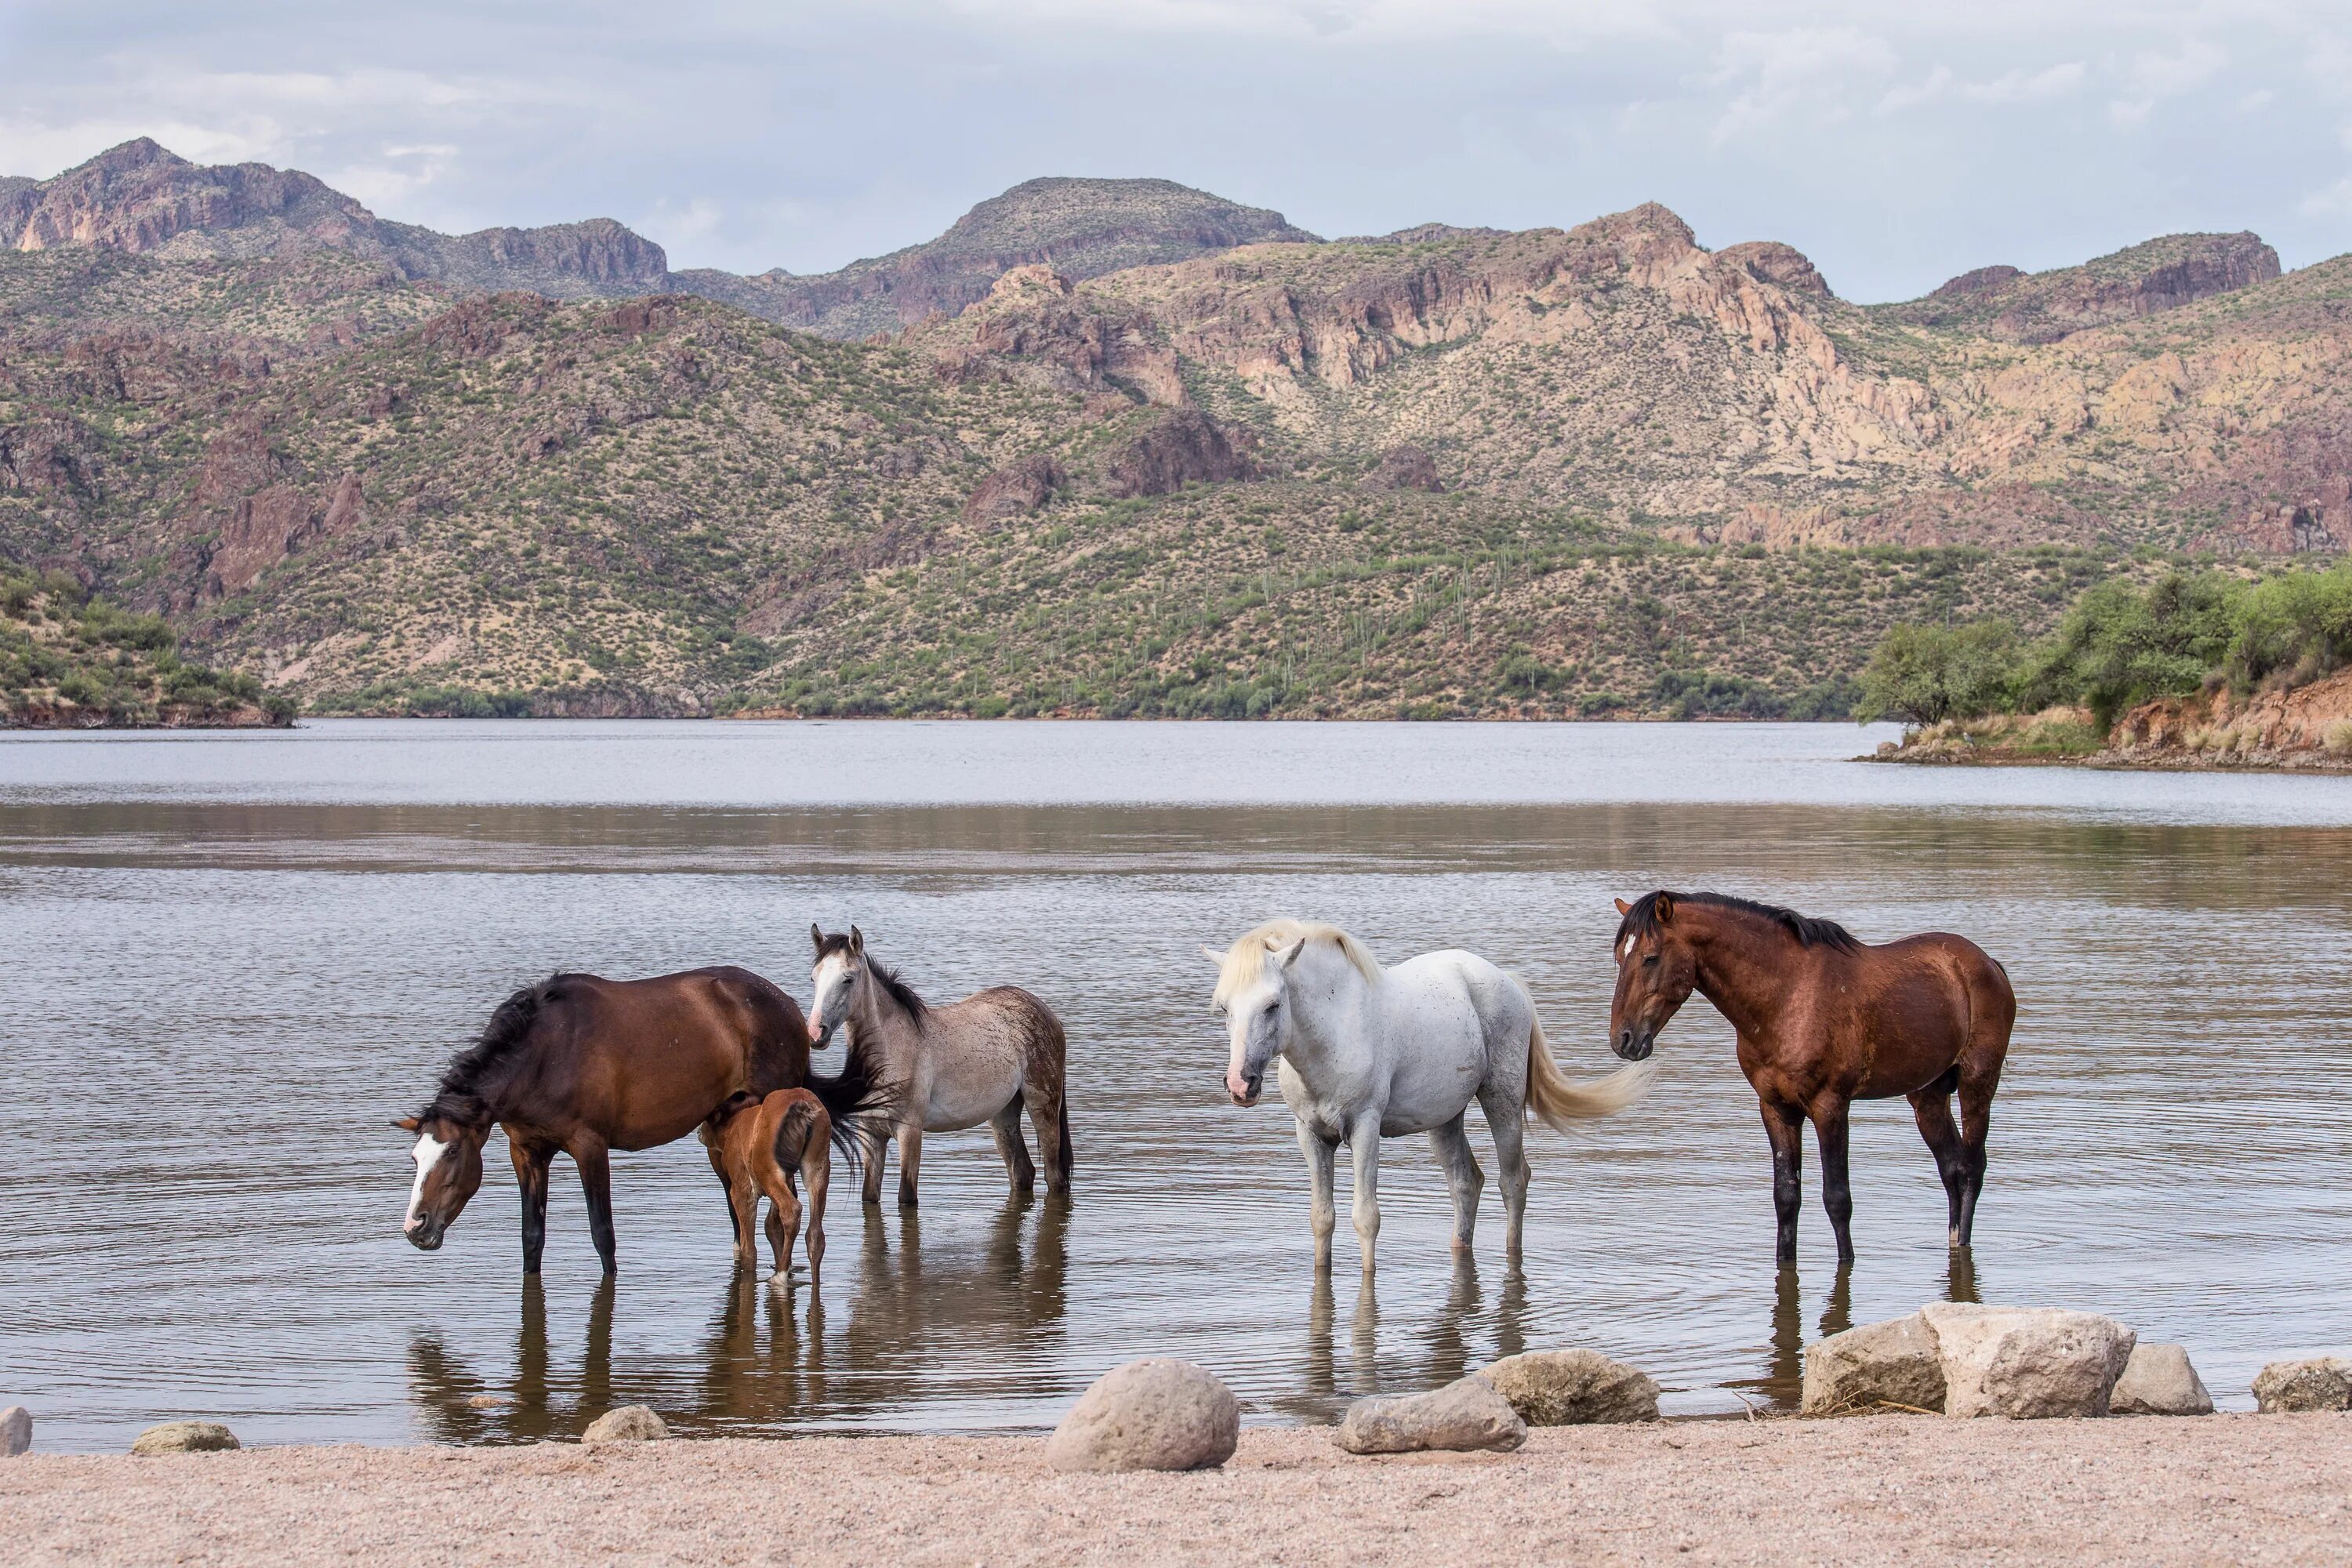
[[1822, 1021], [758, 1143], [1370, 1053], [582, 1065], [983, 1059]]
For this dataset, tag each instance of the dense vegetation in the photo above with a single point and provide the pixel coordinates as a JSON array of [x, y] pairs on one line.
[[68, 659], [2121, 644]]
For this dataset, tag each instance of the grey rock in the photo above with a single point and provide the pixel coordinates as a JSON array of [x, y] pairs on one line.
[[1156, 1413], [1892, 1362], [1466, 1413], [1572, 1388], [2027, 1362], [186, 1438], [16, 1431], [2317, 1382], [628, 1424], [2160, 1380]]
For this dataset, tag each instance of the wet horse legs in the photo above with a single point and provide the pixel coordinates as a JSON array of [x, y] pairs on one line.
[[1837, 1196], [1012, 1149], [1783, 1124], [1322, 1213], [530, 1162], [1464, 1180], [596, 1183], [1932, 1108]]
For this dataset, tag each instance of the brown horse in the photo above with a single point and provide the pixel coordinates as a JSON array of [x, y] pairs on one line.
[[757, 1143], [1824, 1021], [582, 1066]]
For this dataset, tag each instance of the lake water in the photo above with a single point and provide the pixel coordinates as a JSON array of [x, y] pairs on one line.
[[232, 957]]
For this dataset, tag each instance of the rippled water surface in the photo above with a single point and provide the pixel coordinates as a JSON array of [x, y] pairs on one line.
[[232, 959]]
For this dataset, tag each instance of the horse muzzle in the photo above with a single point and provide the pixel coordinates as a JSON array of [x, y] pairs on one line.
[[820, 1035], [425, 1235], [1244, 1091], [1635, 1042]]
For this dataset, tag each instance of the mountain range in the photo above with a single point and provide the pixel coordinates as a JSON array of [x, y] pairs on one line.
[[1112, 446]]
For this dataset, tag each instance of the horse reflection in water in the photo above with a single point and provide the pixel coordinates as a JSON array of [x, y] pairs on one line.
[[1445, 1348], [1783, 1383], [761, 1366]]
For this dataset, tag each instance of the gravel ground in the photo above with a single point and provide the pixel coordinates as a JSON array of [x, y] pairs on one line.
[[2220, 1489]]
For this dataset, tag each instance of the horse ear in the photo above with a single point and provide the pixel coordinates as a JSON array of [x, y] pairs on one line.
[[1623, 907], [816, 936], [1665, 905], [1214, 957], [1289, 955], [406, 1123], [856, 940]]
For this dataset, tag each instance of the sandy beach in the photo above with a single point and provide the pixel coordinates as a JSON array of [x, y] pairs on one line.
[[2223, 1489]]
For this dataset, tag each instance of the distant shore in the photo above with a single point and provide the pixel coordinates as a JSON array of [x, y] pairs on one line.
[[1886, 1489]]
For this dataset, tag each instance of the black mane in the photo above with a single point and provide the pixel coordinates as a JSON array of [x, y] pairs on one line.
[[888, 978], [459, 1097], [1642, 920]]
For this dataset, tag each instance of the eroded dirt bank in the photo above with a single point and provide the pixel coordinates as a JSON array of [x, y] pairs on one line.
[[2229, 1488]]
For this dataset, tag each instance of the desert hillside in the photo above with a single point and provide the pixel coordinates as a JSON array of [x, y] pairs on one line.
[[1175, 457]]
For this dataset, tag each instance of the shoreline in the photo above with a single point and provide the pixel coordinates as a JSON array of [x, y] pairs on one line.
[[1925, 1490], [2124, 762]]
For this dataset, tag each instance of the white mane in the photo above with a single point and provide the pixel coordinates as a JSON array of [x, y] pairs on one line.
[[1245, 960]]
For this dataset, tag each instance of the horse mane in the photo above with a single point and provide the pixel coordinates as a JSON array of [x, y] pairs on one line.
[[888, 978], [1810, 931], [459, 1099], [1245, 960]]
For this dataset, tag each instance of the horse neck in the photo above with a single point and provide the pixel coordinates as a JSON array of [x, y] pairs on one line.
[[1744, 964], [881, 1029], [1330, 1026]]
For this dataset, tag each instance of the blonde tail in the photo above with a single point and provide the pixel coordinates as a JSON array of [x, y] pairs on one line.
[[1557, 1102]]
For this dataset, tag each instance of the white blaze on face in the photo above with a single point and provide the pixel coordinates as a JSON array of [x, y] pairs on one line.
[[1629, 946], [427, 1154], [832, 976]]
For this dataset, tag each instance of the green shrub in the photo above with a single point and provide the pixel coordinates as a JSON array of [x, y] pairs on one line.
[[1925, 675]]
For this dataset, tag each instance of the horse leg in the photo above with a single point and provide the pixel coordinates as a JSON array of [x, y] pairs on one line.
[[1508, 1125], [877, 1138], [1976, 1122], [1464, 1180], [816, 1176], [1781, 1124], [726, 1188], [1364, 1150], [1932, 1108], [596, 1183], [785, 1208], [530, 1162], [1010, 1147], [910, 1160], [1322, 1214], [1048, 1116], [1837, 1196]]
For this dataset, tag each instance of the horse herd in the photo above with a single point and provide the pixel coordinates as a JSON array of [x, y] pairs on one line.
[[582, 1066]]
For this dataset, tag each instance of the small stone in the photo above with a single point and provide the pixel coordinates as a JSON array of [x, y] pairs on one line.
[[1572, 1388], [186, 1438], [1467, 1414], [628, 1424], [2026, 1362], [2160, 1380], [2319, 1383], [1892, 1362], [487, 1401], [1158, 1413], [16, 1431]]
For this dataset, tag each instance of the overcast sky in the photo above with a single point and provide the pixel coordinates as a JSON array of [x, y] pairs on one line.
[[1894, 144]]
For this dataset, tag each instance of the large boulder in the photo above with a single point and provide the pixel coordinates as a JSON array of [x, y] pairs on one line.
[[628, 1424], [1466, 1413], [1572, 1388], [1892, 1362], [186, 1438], [2320, 1383], [2160, 1380], [16, 1431], [1158, 1413], [2026, 1362]]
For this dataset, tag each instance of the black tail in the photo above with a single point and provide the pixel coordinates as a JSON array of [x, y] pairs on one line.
[[792, 1135], [1062, 1108], [853, 1098]]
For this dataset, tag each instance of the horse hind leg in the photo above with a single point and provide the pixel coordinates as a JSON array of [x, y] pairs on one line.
[[1508, 1124], [1011, 1148], [1932, 1108], [1049, 1115], [1976, 1123], [1464, 1180]]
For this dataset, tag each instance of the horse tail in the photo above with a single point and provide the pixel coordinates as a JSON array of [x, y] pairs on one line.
[[1061, 1110], [853, 1098], [793, 1130], [1556, 1101]]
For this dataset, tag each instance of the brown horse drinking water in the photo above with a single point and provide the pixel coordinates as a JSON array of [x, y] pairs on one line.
[[1824, 1021], [582, 1066]]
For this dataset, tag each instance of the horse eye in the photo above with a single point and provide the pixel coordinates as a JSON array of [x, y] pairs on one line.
[[1272, 1007], [1650, 961]]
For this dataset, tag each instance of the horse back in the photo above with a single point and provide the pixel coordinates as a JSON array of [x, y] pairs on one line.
[[1930, 1001]]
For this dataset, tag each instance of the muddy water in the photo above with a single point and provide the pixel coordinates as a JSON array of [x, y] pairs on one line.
[[232, 959]]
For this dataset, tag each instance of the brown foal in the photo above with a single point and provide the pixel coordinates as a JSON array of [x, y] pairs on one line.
[[1825, 1020], [757, 1144]]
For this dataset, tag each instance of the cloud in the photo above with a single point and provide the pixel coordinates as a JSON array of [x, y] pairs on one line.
[[1774, 75], [2152, 77], [2020, 86]]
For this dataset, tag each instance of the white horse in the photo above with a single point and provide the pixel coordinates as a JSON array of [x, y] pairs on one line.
[[1370, 1053]]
